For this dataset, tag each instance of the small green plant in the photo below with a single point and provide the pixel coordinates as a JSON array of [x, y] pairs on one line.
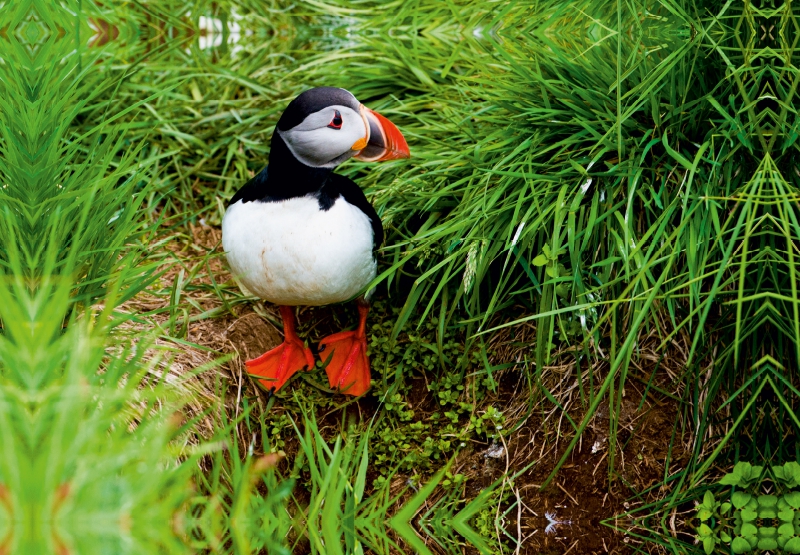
[[277, 429], [761, 522], [787, 474], [453, 481], [413, 446], [709, 512], [489, 424], [399, 407], [419, 350], [744, 475], [448, 389]]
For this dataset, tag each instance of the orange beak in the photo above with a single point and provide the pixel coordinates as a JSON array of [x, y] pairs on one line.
[[385, 141]]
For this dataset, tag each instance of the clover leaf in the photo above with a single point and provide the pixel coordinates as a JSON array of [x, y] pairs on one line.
[[741, 545], [740, 499]]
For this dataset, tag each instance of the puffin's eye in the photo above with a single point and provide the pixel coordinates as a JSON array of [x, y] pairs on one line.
[[336, 122]]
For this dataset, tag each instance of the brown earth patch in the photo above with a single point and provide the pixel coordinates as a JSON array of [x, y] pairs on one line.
[[583, 493], [251, 336]]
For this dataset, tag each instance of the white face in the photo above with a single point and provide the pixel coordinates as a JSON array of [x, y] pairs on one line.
[[326, 138]]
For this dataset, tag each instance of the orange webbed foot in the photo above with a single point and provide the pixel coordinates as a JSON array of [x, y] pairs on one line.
[[275, 367], [346, 355]]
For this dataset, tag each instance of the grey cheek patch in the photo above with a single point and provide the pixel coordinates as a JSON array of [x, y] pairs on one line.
[[314, 162]]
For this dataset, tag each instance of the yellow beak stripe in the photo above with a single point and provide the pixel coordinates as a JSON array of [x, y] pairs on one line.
[[359, 144]]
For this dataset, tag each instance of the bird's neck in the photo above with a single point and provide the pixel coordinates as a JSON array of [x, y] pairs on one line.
[[286, 176]]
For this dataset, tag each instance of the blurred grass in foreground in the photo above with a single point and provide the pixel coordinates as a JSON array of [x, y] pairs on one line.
[[88, 459]]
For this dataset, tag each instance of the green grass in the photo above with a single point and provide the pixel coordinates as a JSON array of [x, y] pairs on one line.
[[600, 209]]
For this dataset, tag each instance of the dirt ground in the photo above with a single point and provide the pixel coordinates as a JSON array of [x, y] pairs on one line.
[[565, 517], [580, 496]]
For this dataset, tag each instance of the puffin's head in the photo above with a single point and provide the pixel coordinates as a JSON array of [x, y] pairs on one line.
[[325, 126]]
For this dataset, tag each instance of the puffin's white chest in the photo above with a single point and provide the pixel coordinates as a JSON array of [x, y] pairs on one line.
[[293, 253]]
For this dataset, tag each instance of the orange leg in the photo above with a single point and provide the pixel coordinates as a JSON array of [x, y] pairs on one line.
[[275, 367], [348, 368]]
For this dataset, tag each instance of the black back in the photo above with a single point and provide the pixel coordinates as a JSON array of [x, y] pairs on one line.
[[262, 189]]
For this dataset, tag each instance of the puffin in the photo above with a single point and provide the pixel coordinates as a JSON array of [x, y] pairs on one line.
[[298, 234]]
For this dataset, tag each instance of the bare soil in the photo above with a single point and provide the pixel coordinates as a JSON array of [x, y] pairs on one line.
[[565, 517]]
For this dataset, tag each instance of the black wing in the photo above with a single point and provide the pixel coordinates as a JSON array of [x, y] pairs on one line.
[[252, 190], [340, 185]]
